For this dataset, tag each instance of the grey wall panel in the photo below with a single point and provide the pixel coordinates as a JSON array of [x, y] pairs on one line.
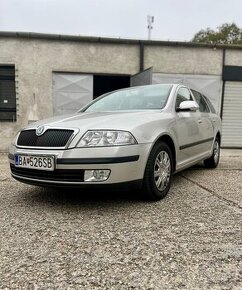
[[71, 92], [142, 78]]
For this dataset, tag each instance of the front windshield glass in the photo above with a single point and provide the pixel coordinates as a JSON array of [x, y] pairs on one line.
[[136, 98]]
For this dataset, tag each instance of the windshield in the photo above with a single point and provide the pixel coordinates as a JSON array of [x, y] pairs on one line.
[[137, 98]]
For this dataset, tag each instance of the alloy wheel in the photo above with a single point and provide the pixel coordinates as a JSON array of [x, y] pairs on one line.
[[162, 170], [216, 151]]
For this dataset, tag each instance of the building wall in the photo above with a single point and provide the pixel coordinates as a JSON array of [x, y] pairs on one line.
[[184, 60], [233, 57], [35, 60]]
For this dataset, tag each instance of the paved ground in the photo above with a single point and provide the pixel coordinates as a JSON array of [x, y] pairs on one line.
[[68, 240]]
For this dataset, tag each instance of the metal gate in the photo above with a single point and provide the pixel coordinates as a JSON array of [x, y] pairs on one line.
[[71, 92], [232, 115]]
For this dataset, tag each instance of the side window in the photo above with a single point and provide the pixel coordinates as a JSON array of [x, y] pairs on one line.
[[183, 94], [203, 107], [211, 107]]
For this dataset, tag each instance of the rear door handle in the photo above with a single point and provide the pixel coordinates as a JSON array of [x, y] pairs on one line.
[[200, 121]]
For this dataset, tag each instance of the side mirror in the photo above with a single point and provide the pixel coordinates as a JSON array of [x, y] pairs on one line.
[[188, 106]]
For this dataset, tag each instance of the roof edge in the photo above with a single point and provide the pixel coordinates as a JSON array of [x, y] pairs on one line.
[[97, 39]]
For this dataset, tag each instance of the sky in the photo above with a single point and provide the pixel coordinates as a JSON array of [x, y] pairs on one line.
[[173, 19]]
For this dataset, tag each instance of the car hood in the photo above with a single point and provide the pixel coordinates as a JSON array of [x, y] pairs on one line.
[[125, 120]]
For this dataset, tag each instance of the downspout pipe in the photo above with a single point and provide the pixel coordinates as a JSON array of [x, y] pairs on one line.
[[141, 56], [223, 86]]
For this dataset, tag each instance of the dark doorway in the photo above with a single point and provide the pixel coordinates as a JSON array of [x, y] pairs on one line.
[[106, 83]]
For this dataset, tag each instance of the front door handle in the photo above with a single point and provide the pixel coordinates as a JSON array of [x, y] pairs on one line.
[[200, 121]]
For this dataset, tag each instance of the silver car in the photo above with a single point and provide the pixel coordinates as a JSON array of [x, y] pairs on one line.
[[138, 137]]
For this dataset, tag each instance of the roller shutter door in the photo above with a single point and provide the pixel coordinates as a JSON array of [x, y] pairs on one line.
[[232, 115]]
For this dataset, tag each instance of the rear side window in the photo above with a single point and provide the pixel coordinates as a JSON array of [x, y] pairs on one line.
[[211, 107], [203, 107]]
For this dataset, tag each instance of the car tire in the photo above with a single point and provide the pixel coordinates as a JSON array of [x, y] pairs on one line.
[[158, 172], [213, 161]]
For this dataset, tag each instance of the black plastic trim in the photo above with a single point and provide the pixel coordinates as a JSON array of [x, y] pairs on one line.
[[232, 73], [63, 175], [10, 156], [106, 160], [129, 185], [8, 110], [195, 143]]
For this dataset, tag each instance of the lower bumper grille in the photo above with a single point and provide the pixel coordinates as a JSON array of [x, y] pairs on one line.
[[73, 175]]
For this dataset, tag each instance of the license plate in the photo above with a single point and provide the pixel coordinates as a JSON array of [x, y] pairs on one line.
[[35, 162]]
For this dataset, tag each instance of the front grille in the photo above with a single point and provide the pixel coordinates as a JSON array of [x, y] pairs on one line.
[[74, 175], [50, 138]]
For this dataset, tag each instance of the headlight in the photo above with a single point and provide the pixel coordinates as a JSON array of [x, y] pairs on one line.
[[106, 138]]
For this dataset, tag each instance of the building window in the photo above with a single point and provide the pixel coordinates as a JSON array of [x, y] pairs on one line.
[[7, 93]]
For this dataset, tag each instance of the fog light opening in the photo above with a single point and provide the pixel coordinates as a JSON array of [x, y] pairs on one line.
[[96, 175]]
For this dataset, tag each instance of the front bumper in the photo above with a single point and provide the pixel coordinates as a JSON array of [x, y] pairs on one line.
[[126, 163]]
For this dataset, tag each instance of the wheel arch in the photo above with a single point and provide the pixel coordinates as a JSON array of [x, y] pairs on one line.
[[219, 136], [169, 141]]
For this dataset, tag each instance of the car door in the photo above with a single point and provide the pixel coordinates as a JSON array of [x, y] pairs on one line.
[[187, 128], [206, 128]]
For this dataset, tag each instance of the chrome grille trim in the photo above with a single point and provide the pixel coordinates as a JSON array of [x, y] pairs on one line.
[[60, 142]]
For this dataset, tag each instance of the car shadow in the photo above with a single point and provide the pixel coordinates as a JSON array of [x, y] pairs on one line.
[[60, 197], [68, 196]]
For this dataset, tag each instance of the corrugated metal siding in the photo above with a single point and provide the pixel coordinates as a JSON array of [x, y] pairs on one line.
[[232, 115]]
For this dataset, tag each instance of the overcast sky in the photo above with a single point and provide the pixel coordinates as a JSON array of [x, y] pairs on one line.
[[174, 19]]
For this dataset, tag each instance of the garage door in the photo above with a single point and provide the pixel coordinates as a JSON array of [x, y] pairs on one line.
[[71, 92], [232, 115]]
